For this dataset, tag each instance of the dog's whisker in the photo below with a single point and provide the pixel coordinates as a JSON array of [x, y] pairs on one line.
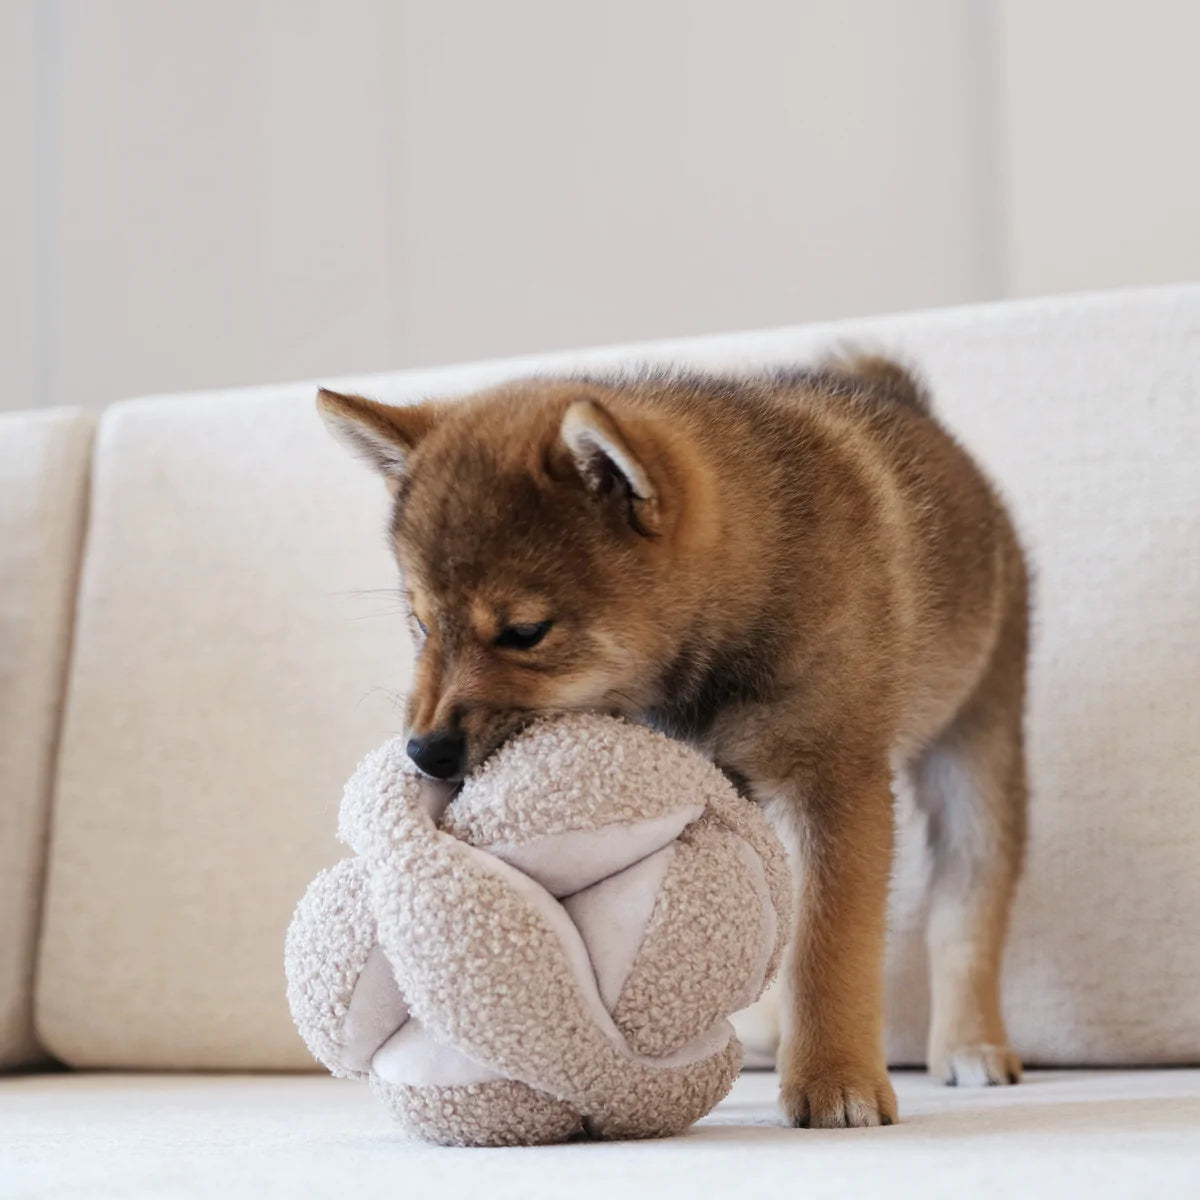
[[357, 592], [396, 699]]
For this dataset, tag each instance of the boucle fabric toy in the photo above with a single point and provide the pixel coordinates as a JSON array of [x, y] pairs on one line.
[[551, 950]]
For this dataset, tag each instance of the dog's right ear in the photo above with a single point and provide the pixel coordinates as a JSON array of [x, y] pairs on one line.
[[609, 465], [383, 434]]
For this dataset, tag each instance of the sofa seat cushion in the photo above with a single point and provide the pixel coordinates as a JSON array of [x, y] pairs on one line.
[[1071, 1133]]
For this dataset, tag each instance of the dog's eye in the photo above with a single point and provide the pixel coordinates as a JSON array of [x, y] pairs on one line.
[[523, 637], [421, 626]]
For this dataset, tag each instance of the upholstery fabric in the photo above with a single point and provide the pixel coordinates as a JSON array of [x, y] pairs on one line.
[[43, 493], [232, 665]]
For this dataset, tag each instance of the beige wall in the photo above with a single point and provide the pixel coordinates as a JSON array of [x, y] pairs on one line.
[[1101, 121], [245, 190], [594, 172], [19, 299]]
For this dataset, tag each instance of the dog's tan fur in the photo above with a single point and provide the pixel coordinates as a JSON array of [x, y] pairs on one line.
[[803, 575]]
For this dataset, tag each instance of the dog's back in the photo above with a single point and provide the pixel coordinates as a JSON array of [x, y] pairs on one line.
[[850, 518]]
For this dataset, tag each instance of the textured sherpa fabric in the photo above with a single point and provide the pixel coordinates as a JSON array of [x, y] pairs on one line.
[[575, 772], [514, 1114], [724, 946], [511, 1017], [329, 944]]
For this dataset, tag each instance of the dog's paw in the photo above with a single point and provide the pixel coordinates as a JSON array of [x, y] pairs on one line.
[[842, 1099], [978, 1065]]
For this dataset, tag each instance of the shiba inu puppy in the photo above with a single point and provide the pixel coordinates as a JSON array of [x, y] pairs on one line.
[[800, 573]]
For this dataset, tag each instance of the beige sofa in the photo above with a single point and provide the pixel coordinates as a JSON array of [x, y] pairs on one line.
[[199, 636]]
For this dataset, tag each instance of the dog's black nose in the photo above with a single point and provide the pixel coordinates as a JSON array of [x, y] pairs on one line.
[[438, 754]]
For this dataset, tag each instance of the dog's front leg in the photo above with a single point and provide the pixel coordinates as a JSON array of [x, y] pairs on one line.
[[839, 825]]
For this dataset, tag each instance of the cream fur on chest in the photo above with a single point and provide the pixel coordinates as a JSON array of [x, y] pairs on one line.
[[552, 950]]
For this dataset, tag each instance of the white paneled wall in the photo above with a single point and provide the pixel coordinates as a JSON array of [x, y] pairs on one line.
[[224, 198], [209, 192], [1101, 115], [20, 301], [594, 172]]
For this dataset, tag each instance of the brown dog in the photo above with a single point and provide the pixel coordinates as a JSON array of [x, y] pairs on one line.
[[801, 574]]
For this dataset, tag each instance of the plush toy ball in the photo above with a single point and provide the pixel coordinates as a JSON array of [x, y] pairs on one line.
[[551, 949]]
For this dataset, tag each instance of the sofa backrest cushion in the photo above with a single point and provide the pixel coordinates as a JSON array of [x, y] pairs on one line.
[[234, 659], [43, 492]]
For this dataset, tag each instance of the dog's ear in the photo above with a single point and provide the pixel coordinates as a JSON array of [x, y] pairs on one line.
[[383, 434], [610, 465]]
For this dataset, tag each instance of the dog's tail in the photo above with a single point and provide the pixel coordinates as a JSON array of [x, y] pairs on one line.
[[881, 375]]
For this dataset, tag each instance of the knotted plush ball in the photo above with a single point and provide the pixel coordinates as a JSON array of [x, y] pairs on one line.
[[549, 950]]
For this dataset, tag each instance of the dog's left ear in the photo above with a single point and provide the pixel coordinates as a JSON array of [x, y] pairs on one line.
[[383, 434], [609, 464]]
